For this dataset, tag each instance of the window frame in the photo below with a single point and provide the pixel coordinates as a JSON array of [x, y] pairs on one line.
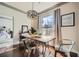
[[41, 16]]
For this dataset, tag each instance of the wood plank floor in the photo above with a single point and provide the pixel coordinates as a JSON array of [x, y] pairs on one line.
[[14, 53], [20, 52]]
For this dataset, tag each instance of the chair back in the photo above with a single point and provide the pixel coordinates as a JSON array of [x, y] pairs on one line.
[[24, 32], [66, 45]]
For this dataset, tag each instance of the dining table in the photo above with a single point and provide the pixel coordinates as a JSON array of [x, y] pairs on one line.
[[44, 39]]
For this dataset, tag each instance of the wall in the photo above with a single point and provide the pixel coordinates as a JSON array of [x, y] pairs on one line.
[[70, 32], [77, 18], [19, 19]]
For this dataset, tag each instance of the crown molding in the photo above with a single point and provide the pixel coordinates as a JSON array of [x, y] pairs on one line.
[[19, 10], [55, 6], [11, 7]]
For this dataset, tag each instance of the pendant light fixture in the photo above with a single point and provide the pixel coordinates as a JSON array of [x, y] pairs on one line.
[[32, 13]]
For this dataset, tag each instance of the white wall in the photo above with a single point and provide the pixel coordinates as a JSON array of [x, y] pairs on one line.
[[19, 19], [69, 32], [77, 18]]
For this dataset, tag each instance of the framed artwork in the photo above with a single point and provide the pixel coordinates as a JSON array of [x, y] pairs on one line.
[[7, 22], [68, 20], [24, 28]]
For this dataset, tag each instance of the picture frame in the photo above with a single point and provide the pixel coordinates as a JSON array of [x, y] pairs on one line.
[[68, 20], [24, 29]]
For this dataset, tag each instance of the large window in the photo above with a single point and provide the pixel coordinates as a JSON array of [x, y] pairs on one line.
[[47, 22]]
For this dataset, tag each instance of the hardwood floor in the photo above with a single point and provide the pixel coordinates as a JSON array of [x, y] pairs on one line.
[[19, 51], [14, 53]]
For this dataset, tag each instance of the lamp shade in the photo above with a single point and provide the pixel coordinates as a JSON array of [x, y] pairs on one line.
[[32, 13]]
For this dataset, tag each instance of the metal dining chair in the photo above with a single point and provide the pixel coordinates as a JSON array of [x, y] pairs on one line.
[[66, 46], [28, 47], [28, 44]]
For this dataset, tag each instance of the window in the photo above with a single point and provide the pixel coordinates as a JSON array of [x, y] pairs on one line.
[[47, 22]]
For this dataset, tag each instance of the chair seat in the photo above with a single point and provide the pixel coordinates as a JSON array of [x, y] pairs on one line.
[[65, 50], [32, 45], [57, 47], [22, 37], [30, 48]]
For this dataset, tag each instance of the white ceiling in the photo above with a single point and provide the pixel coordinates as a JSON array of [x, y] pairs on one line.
[[38, 6]]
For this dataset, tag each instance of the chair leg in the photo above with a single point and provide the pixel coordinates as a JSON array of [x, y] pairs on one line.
[[43, 50], [55, 53], [68, 54], [26, 53]]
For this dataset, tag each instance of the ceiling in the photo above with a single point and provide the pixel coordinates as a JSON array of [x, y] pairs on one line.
[[38, 6]]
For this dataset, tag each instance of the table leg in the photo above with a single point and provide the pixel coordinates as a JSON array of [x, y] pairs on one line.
[[55, 53], [44, 49]]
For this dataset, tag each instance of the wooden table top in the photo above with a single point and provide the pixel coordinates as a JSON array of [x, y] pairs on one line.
[[42, 38]]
